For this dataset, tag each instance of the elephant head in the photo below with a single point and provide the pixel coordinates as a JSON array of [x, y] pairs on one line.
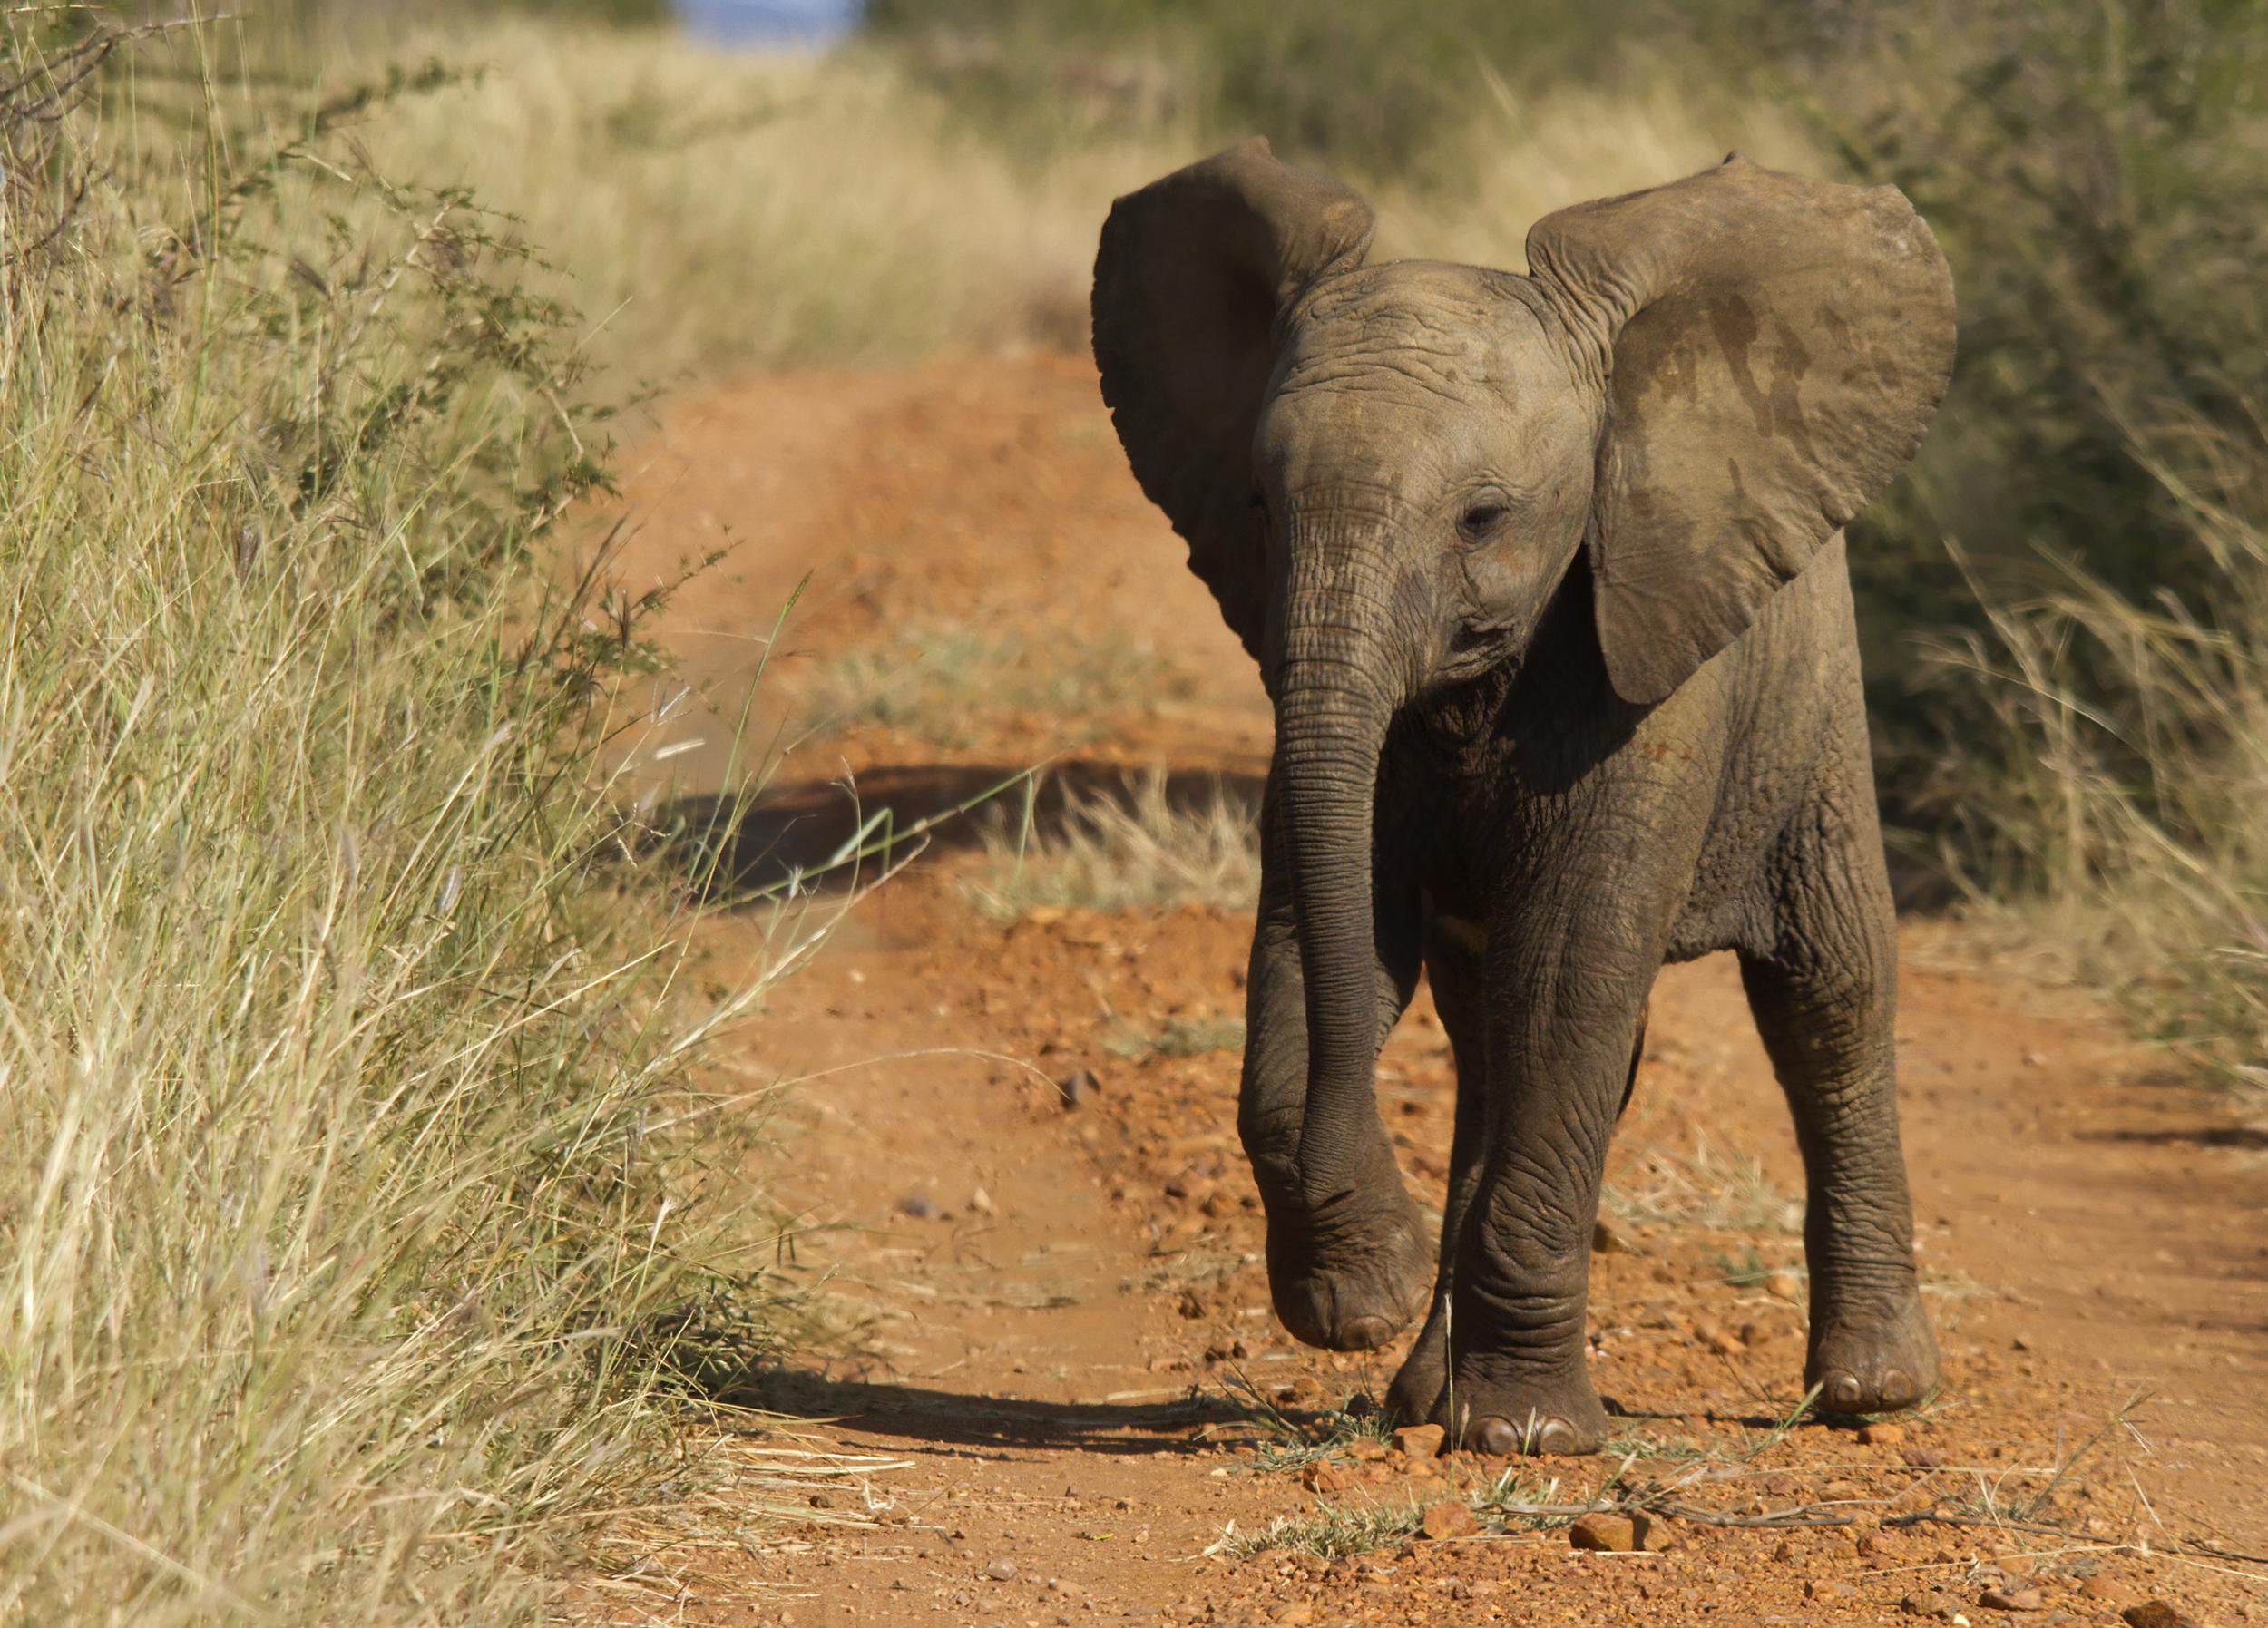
[[1385, 473]]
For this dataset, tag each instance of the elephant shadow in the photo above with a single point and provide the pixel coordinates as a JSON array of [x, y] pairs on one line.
[[975, 1422], [832, 835]]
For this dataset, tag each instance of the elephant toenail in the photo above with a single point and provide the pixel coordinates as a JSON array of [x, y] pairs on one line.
[[1365, 1334], [1841, 1393], [1897, 1390], [1556, 1437], [1496, 1436]]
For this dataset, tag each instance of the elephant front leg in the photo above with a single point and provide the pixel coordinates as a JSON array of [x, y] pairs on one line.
[[1348, 1269], [1565, 1018]]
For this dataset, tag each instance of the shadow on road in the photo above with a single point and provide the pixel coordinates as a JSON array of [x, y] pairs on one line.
[[957, 1418], [831, 834]]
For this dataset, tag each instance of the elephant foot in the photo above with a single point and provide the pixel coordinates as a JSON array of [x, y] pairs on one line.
[[1549, 1414], [1351, 1275], [1877, 1363], [1415, 1395]]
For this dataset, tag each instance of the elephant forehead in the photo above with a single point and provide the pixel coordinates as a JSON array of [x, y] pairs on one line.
[[1429, 326]]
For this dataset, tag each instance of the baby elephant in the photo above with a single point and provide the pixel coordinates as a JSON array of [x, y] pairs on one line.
[[1545, 577]]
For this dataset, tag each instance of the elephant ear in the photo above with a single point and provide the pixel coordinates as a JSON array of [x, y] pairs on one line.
[[1191, 275], [1776, 347]]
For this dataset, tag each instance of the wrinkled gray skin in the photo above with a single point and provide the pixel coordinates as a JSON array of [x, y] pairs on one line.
[[1545, 576]]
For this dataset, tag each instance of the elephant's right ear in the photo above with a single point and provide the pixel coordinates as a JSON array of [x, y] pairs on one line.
[[1192, 273]]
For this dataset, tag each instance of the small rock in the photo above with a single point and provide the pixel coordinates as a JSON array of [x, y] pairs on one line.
[[1078, 1088], [981, 1202], [1419, 1441], [2034, 1060], [1783, 1286], [1723, 1342], [1604, 1533], [1366, 1448], [1882, 1435], [1190, 1306], [1450, 1519], [1923, 1457], [1323, 1477], [1608, 1238], [1943, 1608], [2154, 1613], [1003, 1570], [2012, 1599], [918, 1207], [2108, 1590], [1295, 1615], [1817, 1589]]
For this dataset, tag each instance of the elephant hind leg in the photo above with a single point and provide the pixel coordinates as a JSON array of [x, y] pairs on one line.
[[1824, 998], [1454, 968]]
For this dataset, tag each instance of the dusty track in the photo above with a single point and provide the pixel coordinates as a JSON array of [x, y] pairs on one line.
[[1051, 1347]]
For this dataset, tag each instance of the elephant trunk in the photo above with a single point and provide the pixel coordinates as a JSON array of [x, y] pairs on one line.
[[1338, 687]]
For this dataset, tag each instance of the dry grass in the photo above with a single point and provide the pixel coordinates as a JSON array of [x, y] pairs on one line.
[[344, 1248], [1718, 1188], [2134, 763], [1142, 852], [718, 212], [941, 682]]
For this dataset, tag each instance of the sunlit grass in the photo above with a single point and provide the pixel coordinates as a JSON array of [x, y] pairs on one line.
[[344, 1243]]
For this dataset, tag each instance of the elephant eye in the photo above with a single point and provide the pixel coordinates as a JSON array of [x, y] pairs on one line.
[[1480, 520]]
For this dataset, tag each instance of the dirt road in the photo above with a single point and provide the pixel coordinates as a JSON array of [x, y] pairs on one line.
[[1051, 1322]]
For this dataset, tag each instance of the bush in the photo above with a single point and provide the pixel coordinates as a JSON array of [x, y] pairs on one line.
[[339, 1260], [1370, 86]]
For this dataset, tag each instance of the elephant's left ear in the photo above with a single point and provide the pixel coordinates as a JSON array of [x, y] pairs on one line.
[[1777, 347]]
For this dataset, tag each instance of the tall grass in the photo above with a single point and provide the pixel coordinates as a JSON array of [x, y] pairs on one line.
[[337, 1266], [716, 212], [2124, 760]]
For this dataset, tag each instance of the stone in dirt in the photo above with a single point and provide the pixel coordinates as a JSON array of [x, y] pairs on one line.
[[1882, 1435], [2012, 1599], [1419, 1441], [1604, 1533], [1608, 1238], [1323, 1477], [1723, 1342], [1001, 1570], [1366, 1448], [1943, 1608], [2108, 1590], [1783, 1286], [1827, 1589], [1450, 1519], [2154, 1613]]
